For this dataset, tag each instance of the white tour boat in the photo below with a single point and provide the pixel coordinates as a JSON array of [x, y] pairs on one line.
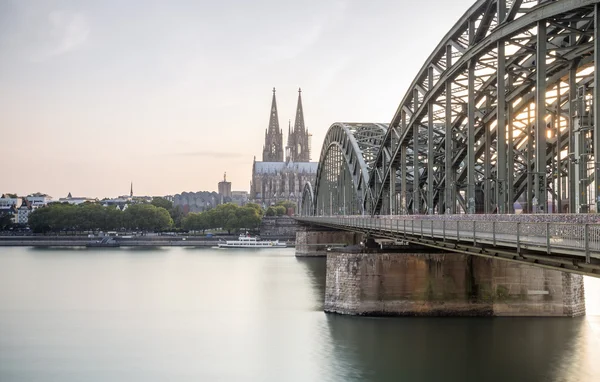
[[245, 241]]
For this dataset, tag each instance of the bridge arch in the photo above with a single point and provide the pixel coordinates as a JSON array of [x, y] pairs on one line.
[[347, 155], [543, 109], [308, 200]]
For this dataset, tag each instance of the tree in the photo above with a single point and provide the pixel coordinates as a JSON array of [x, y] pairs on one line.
[[195, 222], [162, 202], [43, 220], [271, 211], [280, 210], [287, 204], [113, 219], [225, 217], [147, 217], [256, 207], [248, 217], [176, 213], [5, 220]]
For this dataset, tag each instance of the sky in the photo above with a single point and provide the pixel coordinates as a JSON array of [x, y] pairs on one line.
[[170, 95]]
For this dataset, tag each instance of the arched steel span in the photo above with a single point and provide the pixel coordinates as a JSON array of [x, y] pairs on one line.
[[308, 200], [484, 144], [341, 186]]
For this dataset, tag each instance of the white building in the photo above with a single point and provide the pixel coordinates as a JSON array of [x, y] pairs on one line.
[[77, 199], [7, 201], [38, 200], [121, 203], [23, 212]]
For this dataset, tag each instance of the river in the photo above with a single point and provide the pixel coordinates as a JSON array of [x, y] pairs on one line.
[[184, 314]]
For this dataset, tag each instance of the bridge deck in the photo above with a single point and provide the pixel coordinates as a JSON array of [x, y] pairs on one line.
[[568, 246]]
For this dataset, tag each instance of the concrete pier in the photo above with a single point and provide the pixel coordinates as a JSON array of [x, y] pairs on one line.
[[411, 284], [313, 241]]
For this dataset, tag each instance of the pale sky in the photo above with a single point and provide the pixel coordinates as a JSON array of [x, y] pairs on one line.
[[171, 94]]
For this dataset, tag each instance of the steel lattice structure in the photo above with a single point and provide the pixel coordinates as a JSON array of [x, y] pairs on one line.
[[347, 157], [502, 111]]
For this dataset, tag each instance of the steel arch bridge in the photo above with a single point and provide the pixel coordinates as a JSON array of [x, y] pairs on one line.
[[502, 111], [342, 182]]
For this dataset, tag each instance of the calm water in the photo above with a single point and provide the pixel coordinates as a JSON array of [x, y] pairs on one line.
[[208, 315]]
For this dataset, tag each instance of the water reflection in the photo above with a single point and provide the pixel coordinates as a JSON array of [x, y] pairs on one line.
[[315, 268], [463, 349], [190, 315], [592, 295]]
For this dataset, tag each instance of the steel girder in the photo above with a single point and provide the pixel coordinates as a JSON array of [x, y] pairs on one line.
[[347, 156], [456, 109]]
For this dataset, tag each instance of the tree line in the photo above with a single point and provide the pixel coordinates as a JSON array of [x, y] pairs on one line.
[[159, 215], [228, 217], [57, 217]]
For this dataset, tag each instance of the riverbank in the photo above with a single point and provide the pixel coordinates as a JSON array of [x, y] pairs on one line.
[[81, 241]]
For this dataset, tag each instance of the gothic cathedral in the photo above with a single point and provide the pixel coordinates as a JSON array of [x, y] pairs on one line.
[[274, 179]]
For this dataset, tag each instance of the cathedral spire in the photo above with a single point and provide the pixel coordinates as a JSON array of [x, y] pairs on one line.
[[131, 191], [299, 123], [273, 149], [299, 142]]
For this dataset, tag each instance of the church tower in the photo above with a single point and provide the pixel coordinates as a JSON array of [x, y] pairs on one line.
[[273, 148], [298, 139]]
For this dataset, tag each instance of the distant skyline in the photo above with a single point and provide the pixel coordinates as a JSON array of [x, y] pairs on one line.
[[170, 95]]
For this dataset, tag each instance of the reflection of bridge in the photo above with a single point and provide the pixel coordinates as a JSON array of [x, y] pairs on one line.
[[502, 114]]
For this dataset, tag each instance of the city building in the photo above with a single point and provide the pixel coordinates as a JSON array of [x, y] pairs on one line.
[[38, 200], [127, 197], [11, 211], [9, 204], [273, 179], [224, 188], [121, 203], [196, 201], [76, 199], [9, 200], [20, 207], [239, 197], [170, 198], [23, 212]]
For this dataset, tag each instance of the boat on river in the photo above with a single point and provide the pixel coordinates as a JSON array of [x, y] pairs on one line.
[[245, 241]]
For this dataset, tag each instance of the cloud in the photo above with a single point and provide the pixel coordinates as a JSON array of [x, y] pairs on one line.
[[66, 31]]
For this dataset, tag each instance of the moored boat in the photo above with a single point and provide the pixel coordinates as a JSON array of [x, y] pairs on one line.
[[245, 241]]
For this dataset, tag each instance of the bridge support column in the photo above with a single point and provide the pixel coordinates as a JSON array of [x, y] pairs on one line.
[[314, 241], [410, 284]]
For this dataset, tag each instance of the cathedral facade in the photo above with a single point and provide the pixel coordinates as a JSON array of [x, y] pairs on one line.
[[275, 179]]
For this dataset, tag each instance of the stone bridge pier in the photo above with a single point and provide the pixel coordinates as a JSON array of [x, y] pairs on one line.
[[313, 241], [445, 284]]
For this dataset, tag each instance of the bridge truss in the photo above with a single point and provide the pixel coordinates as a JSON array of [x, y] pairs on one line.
[[342, 181], [501, 112]]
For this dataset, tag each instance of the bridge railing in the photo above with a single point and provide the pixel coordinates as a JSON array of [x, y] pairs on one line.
[[580, 239]]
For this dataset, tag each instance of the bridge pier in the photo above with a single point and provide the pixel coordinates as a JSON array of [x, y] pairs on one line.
[[417, 284], [313, 241]]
